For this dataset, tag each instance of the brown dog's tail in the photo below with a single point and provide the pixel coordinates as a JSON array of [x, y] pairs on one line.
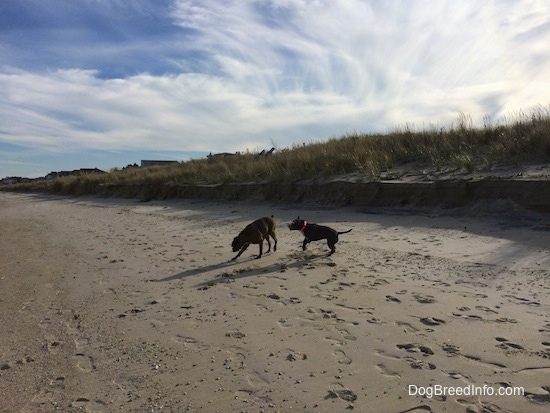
[[345, 232]]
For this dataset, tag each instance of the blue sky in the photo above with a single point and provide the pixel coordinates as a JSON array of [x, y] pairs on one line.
[[105, 83]]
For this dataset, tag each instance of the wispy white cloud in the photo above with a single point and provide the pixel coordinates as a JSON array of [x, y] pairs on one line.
[[236, 74]]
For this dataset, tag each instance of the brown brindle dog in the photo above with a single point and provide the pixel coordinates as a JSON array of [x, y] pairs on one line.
[[255, 233]]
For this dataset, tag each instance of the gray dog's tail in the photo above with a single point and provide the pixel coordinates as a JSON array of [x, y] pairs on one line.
[[345, 232]]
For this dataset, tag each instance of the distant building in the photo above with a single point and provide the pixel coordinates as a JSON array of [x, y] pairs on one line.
[[87, 171], [145, 164], [11, 180]]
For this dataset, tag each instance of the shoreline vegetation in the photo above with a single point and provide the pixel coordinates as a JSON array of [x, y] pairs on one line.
[[355, 157]]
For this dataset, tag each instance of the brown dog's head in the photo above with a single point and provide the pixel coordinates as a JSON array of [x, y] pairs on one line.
[[298, 224], [237, 244]]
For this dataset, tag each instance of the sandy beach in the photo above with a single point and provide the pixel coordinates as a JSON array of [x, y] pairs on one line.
[[113, 305]]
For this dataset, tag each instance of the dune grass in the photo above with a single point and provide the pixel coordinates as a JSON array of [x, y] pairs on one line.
[[526, 139]]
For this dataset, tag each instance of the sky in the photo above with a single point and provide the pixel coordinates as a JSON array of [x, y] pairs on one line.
[[106, 83]]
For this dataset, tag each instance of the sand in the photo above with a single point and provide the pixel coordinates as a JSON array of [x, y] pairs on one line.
[[117, 305]]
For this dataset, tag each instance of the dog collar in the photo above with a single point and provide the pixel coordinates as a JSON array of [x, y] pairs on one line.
[[304, 227]]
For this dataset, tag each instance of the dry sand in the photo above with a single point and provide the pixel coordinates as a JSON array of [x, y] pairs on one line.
[[116, 305]]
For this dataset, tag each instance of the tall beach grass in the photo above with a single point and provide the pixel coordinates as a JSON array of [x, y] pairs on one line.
[[524, 139]]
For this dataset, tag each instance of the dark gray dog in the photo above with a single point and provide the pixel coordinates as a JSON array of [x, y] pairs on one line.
[[314, 232], [255, 233]]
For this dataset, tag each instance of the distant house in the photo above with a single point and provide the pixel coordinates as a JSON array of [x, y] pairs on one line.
[[88, 171], [10, 180], [211, 156], [145, 164]]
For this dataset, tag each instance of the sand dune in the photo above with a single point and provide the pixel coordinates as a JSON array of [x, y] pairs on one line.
[[117, 305]]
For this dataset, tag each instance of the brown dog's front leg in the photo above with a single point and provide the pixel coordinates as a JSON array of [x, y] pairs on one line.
[[245, 246]]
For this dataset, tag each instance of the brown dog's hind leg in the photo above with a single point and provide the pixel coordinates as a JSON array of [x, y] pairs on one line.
[[274, 239], [261, 249], [268, 244]]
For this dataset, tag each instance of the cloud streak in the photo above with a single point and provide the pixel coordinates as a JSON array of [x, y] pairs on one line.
[[206, 76]]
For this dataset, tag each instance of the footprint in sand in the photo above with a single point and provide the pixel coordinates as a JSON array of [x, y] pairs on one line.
[[284, 323], [256, 380], [424, 299], [81, 342], [342, 394], [189, 342], [235, 334], [346, 334], [468, 316], [414, 348], [341, 357], [53, 346], [432, 321], [521, 300], [235, 359], [539, 398], [328, 313], [421, 365], [58, 382], [84, 362], [335, 341], [486, 309], [474, 295], [386, 371], [458, 376], [80, 402], [296, 355], [450, 349], [505, 344], [407, 327], [263, 308]]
